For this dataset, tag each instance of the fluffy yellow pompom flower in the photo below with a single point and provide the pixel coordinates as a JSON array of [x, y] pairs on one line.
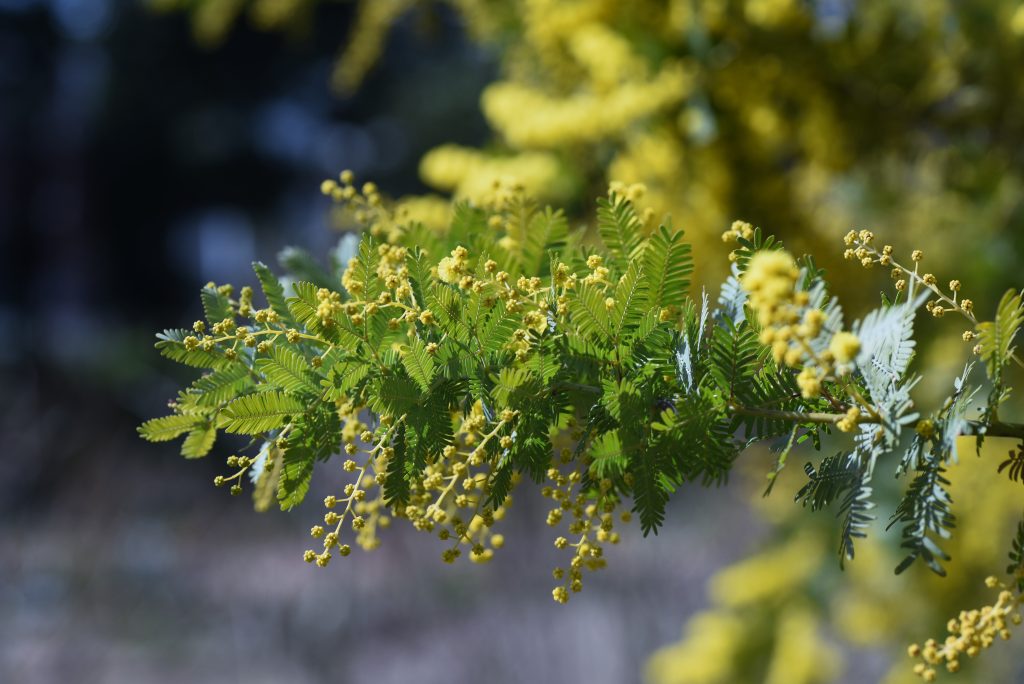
[[809, 382], [448, 270], [844, 347], [770, 279]]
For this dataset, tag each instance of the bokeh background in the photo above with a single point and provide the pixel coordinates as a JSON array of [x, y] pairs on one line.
[[148, 149]]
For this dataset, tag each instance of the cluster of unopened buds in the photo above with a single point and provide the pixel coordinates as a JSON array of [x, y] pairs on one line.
[[969, 633], [447, 500], [633, 192], [366, 203], [861, 247], [592, 525], [242, 465]]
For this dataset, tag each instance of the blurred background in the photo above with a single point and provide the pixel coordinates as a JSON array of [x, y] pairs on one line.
[[146, 149]]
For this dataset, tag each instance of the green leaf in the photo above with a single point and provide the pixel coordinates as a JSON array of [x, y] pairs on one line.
[[365, 269], [856, 518], [393, 394], [296, 473], [996, 337], [257, 413], [668, 263], [619, 228], [288, 371], [167, 428], [835, 476], [733, 356], [498, 329], [926, 513], [467, 223], [1016, 555], [418, 363], [221, 385], [343, 378], [607, 457], [650, 495], [302, 264], [317, 431], [274, 292], [303, 306], [216, 305], [630, 300], [448, 308], [398, 470], [510, 378], [199, 441], [547, 231], [419, 274], [590, 315]]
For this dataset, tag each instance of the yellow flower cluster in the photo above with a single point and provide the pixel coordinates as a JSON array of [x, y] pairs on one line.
[[970, 633], [790, 326], [453, 268], [770, 279], [738, 229], [470, 174], [433, 211], [366, 40], [329, 305], [757, 615], [527, 117]]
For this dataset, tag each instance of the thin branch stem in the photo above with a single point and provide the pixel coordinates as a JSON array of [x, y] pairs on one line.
[[972, 427]]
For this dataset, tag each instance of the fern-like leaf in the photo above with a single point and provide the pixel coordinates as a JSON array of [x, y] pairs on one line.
[[199, 441], [996, 337], [547, 231], [216, 305], [254, 414], [171, 345], [668, 263], [288, 371], [222, 385], [619, 228], [166, 428], [630, 300], [296, 473], [590, 315], [274, 292], [418, 363]]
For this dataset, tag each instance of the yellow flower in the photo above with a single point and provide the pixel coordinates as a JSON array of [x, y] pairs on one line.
[[449, 270], [770, 279], [809, 383], [849, 423], [844, 347]]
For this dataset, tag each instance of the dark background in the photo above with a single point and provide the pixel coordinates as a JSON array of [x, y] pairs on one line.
[[135, 167]]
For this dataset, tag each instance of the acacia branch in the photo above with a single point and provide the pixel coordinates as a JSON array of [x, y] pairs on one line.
[[972, 427]]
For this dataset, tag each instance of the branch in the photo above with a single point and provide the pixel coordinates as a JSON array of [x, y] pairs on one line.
[[973, 427]]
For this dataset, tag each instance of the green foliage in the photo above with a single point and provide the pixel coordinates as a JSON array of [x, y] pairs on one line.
[[996, 338], [667, 266], [254, 414], [1014, 465], [453, 365], [167, 428], [619, 228]]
